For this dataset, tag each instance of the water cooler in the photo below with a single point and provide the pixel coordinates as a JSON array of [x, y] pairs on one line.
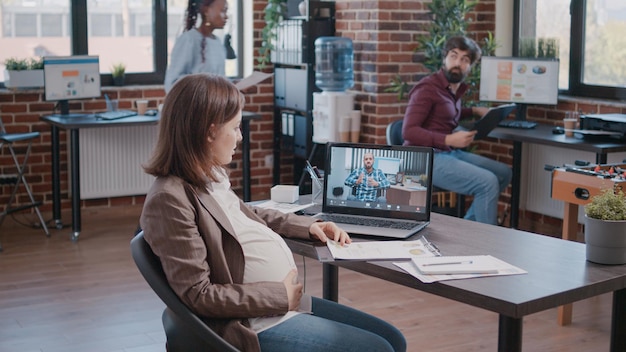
[[334, 74]]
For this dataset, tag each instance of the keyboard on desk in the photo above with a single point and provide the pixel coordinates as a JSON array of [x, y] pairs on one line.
[[367, 221], [517, 124], [114, 115]]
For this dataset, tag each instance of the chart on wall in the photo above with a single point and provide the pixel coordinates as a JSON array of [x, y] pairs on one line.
[[519, 80]]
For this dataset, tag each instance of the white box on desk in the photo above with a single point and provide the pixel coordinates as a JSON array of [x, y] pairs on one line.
[[285, 193]]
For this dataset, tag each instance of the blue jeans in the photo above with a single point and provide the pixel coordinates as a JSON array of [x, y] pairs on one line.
[[471, 174], [332, 327]]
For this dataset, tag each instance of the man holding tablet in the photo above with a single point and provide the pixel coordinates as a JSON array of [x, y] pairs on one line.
[[433, 114]]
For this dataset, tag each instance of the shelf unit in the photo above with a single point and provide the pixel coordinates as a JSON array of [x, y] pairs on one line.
[[294, 82]]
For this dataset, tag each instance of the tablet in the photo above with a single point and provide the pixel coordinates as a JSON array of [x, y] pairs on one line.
[[490, 120]]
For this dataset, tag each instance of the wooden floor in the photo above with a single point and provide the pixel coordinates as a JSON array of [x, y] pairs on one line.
[[56, 295]]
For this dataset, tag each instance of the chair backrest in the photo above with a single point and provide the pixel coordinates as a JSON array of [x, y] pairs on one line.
[[394, 133], [150, 267]]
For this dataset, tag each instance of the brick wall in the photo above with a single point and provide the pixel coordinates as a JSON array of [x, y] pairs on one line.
[[20, 111], [384, 35]]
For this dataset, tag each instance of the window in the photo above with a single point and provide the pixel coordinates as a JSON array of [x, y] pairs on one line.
[[139, 33], [590, 37], [52, 25]]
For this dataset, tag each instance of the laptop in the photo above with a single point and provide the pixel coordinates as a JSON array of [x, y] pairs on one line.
[[489, 121], [399, 211]]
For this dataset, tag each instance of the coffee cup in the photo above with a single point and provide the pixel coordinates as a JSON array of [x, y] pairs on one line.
[[570, 122], [142, 106]]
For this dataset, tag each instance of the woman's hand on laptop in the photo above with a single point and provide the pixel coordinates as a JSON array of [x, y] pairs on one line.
[[329, 230]]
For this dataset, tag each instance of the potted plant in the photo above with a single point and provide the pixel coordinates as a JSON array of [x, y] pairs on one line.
[[23, 73], [275, 11], [118, 72], [605, 228], [448, 18]]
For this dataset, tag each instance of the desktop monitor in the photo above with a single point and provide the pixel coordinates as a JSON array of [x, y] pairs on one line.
[[519, 80], [70, 78]]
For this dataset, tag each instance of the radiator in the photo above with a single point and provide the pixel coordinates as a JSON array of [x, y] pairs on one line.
[[536, 182], [111, 159]]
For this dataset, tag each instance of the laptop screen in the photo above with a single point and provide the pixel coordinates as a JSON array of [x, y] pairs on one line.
[[378, 180]]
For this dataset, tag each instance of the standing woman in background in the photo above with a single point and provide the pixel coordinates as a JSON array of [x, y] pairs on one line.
[[197, 49]]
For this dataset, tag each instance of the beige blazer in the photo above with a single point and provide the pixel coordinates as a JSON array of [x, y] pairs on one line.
[[204, 262]]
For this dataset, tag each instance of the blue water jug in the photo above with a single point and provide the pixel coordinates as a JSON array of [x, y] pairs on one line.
[[333, 64]]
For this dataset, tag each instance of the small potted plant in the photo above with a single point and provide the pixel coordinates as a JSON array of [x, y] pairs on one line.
[[275, 11], [118, 72], [23, 73], [605, 228]]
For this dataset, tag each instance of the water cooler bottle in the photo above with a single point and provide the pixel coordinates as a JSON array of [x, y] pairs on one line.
[[333, 75]]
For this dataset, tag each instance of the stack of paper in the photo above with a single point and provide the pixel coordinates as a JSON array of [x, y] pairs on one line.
[[457, 267], [283, 207], [479, 264], [382, 250]]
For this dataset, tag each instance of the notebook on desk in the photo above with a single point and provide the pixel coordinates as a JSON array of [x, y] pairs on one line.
[[390, 216]]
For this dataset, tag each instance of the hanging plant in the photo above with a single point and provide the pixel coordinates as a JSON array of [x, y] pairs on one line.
[[275, 11]]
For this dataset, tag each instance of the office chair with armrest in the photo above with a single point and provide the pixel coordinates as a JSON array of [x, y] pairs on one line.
[[10, 139], [394, 137], [185, 331]]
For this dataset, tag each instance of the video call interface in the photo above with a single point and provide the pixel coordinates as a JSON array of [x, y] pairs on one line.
[[407, 173]]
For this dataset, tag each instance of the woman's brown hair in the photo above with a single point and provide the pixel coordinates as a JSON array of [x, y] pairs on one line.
[[194, 104]]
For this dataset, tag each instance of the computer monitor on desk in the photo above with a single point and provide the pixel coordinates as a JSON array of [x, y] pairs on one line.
[[71, 78], [519, 80]]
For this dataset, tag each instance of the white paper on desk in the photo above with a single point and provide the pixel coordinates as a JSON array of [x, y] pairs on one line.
[[255, 78], [504, 268], [467, 264], [283, 207], [379, 250]]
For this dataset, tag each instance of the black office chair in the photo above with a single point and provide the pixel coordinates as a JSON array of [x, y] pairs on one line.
[[9, 139], [184, 330], [394, 137]]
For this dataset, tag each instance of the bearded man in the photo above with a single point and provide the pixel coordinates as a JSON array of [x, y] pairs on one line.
[[430, 120]]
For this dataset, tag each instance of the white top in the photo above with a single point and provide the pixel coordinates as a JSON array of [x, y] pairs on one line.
[[267, 256], [186, 57]]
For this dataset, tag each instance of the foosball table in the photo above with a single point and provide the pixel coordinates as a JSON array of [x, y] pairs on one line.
[[575, 185]]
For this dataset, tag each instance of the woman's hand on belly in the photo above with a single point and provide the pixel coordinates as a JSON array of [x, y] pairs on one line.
[[294, 289]]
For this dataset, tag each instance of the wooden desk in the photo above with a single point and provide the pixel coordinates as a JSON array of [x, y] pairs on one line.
[[74, 124], [558, 273], [542, 134], [397, 194]]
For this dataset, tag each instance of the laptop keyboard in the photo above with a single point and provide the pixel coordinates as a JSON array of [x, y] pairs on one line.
[[382, 223], [114, 115], [517, 124]]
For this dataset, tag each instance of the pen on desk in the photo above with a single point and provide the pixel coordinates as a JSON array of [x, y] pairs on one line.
[[108, 102], [313, 174], [317, 172], [448, 263], [309, 167]]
